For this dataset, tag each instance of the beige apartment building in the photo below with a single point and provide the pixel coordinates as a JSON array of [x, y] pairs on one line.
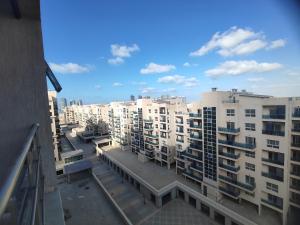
[[154, 128], [120, 123], [55, 127], [243, 146]]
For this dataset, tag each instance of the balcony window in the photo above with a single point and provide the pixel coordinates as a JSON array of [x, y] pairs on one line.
[[249, 112], [273, 143], [250, 126], [272, 187], [250, 166], [296, 141], [230, 112], [250, 180], [250, 140]]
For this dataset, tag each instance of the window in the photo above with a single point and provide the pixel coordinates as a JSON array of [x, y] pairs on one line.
[[250, 154], [250, 112], [155, 110], [250, 180], [273, 143], [230, 112], [230, 125], [250, 166], [250, 140], [250, 126], [272, 187]]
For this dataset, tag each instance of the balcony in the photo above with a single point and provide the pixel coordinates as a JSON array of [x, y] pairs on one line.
[[295, 144], [179, 130], [296, 158], [151, 136], [192, 176], [295, 187], [148, 127], [197, 168], [274, 161], [149, 121], [195, 136], [249, 146], [22, 193], [149, 155], [229, 155], [179, 121], [296, 114], [196, 146], [248, 187], [272, 203], [296, 129], [193, 157], [274, 116], [180, 140], [229, 167], [274, 132], [295, 173], [195, 126], [272, 176], [151, 142], [195, 115], [230, 193], [229, 130]]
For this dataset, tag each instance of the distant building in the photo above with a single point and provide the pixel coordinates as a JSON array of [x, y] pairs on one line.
[[72, 102], [55, 127], [132, 98], [79, 102], [63, 103]]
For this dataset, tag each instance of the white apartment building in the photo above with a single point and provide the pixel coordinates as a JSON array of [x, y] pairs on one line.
[[55, 127], [120, 123], [243, 146], [84, 114], [154, 128]]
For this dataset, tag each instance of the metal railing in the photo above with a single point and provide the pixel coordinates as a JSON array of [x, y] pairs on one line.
[[21, 196], [229, 130]]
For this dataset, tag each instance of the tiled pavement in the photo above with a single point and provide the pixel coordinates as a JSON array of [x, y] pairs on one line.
[[177, 212]]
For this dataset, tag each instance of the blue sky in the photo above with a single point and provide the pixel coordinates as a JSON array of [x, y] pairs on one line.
[[102, 51]]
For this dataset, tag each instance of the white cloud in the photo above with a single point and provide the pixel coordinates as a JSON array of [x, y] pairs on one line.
[[66, 68], [225, 40], [119, 52], [237, 41], [239, 67], [156, 68], [98, 86], [244, 48], [179, 79], [168, 90], [277, 44], [117, 84], [148, 90], [187, 64], [123, 51], [115, 61], [255, 79]]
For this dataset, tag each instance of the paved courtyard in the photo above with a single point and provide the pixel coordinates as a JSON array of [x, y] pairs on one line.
[[178, 212], [85, 204]]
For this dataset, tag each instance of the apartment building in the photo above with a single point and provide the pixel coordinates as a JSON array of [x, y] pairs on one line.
[[120, 123], [84, 115], [243, 146], [55, 127], [153, 129]]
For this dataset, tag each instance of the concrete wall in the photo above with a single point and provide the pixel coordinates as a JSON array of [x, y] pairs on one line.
[[23, 87]]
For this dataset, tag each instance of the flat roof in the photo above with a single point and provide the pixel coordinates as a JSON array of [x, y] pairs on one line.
[[71, 153], [159, 177], [78, 166], [104, 140]]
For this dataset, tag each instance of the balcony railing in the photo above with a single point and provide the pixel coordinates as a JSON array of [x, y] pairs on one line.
[[296, 114], [296, 187], [295, 158], [151, 135], [22, 192], [229, 130], [228, 167], [179, 130], [189, 155], [237, 144], [179, 121], [249, 187], [272, 176], [274, 116], [295, 144], [272, 203], [275, 161], [295, 172], [179, 140], [195, 167], [195, 146], [195, 115], [195, 126], [195, 136], [232, 193], [192, 176], [296, 129], [148, 127], [273, 132], [151, 142], [230, 155]]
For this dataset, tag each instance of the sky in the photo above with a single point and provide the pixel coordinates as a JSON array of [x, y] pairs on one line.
[[107, 50]]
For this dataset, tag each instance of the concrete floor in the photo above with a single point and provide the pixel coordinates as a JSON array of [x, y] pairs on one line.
[[85, 204]]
